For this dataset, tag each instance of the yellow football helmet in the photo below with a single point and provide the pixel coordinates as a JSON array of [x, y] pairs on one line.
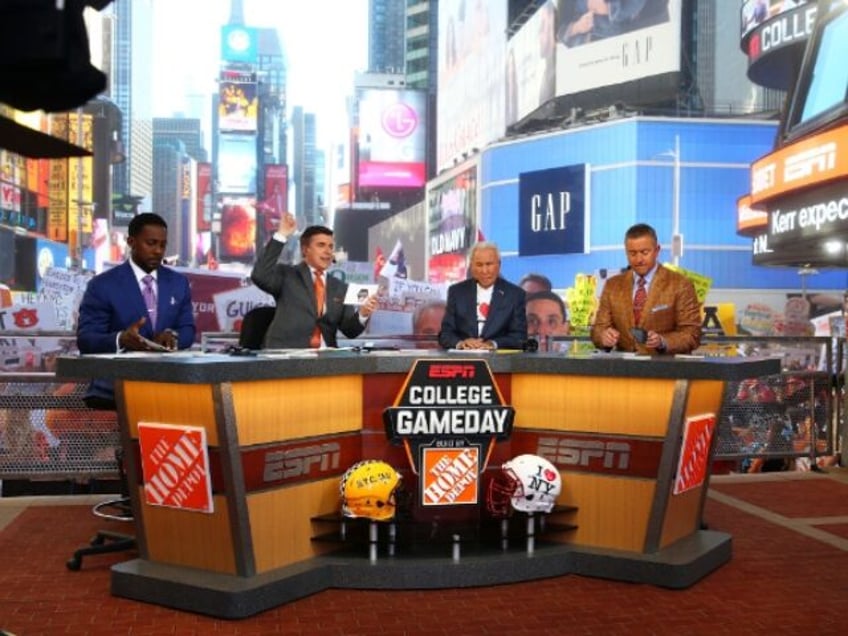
[[368, 490]]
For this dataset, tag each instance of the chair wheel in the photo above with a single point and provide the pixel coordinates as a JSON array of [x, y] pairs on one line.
[[74, 564]]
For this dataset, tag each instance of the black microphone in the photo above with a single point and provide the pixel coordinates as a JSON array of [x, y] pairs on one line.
[[531, 345]]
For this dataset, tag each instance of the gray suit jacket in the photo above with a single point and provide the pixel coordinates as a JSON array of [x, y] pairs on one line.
[[296, 315]]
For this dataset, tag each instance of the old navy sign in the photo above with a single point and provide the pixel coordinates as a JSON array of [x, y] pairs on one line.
[[553, 211]]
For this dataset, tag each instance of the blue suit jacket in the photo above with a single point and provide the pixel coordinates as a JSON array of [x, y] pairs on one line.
[[506, 324], [113, 301]]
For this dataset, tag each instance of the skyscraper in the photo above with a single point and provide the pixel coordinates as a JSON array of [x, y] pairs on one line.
[[304, 166], [386, 35]]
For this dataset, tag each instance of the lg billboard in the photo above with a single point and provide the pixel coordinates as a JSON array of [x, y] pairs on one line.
[[392, 138]]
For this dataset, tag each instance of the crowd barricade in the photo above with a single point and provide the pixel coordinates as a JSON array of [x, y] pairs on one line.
[[46, 430]]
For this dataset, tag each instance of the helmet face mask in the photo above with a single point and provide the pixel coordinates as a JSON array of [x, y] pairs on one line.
[[368, 490], [527, 483]]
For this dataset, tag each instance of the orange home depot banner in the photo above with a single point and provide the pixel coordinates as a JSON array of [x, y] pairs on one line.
[[694, 452], [175, 466]]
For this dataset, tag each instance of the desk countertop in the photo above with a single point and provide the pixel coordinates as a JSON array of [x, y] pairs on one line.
[[204, 368]]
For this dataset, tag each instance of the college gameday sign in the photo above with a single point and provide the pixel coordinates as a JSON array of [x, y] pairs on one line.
[[175, 466], [447, 415]]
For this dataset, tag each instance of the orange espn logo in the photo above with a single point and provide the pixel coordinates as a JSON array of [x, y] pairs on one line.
[[450, 476], [808, 162]]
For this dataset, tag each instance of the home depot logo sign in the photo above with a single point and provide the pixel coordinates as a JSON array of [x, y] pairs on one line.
[[175, 466], [694, 452], [450, 476]]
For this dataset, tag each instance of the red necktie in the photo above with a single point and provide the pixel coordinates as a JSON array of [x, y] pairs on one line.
[[315, 339], [639, 299]]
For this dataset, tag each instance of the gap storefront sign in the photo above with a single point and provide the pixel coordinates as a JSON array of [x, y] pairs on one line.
[[554, 211]]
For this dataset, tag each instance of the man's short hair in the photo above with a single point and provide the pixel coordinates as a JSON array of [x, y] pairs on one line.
[[139, 221], [311, 231], [484, 245], [540, 279], [547, 295], [639, 230]]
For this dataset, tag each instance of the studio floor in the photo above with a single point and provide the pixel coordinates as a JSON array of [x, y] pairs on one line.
[[788, 574]]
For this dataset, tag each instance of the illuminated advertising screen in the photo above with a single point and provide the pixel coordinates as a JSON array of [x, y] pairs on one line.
[[452, 213], [472, 53], [392, 138], [238, 103], [755, 12], [204, 203], [270, 209], [239, 43], [238, 230], [638, 40], [531, 64], [237, 164]]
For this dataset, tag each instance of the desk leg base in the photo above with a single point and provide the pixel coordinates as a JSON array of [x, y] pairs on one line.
[[225, 596]]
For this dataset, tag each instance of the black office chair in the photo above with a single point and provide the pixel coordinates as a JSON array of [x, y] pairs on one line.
[[120, 509], [254, 325]]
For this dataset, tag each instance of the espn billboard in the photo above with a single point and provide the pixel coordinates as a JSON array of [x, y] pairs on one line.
[[470, 97], [636, 41], [392, 138]]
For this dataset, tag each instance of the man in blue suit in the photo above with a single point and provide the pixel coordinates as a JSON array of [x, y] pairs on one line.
[[486, 311], [113, 316]]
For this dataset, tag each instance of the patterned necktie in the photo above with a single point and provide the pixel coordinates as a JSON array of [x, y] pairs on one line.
[[315, 339], [149, 299], [639, 299]]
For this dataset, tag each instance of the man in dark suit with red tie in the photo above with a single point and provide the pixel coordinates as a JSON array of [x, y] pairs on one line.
[[114, 315], [484, 312], [310, 304], [648, 308]]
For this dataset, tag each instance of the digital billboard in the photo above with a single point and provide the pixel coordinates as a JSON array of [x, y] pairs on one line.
[[470, 101], [236, 164], [452, 215], [238, 103], [615, 43], [755, 12], [392, 138], [775, 43], [203, 214], [531, 64], [239, 43], [270, 209], [238, 230]]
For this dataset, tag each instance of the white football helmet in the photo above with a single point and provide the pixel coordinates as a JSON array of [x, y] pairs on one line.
[[528, 483]]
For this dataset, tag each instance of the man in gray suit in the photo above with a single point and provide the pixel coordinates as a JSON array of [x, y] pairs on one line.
[[303, 318]]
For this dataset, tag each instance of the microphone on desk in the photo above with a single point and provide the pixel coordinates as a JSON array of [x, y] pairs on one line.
[[531, 345]]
